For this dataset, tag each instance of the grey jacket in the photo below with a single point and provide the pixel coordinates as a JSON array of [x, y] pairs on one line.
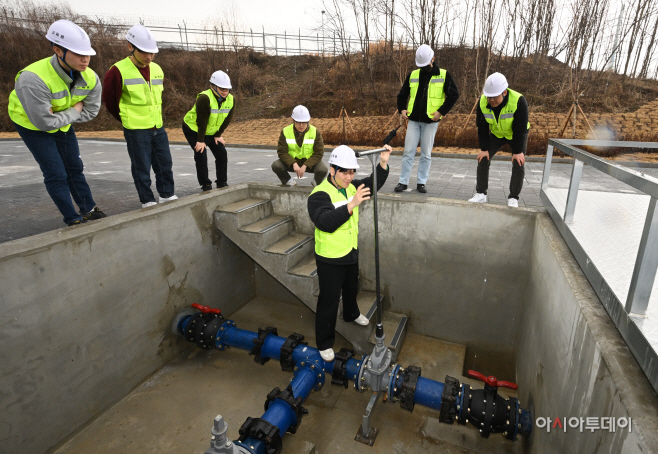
[[35, 97]]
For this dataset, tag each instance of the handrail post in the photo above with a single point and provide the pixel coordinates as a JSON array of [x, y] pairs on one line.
[[646, 264], [547, 168], [576, 174]]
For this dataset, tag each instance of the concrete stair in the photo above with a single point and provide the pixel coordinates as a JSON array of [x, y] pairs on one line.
[[271, 241]]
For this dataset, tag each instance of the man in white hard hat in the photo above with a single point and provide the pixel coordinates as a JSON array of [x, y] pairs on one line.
[[501, 119], [300, 150], [426, 96], [334, 209], [132, 92], [204, 125], [49, 96]]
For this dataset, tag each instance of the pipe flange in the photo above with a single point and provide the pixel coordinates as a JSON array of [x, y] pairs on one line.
[[286, 360], [392, 379], [449, 400], [178, 318], [260, 429], [191, 327], [295, 404], [360, 379], [409, 383], [338, 376], [207, 331], [258, 344], [314, 366], [463, 404], [512, 426], [219, 340]]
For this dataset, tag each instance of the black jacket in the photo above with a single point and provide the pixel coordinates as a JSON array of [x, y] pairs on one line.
[[328, 218], [519, 125], [420, 104]]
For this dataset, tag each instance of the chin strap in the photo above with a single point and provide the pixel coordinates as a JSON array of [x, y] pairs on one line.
[[63, 60]]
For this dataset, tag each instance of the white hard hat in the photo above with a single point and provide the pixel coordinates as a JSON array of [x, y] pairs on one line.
[[424, 55], [495, 85], [344, 157], [66, 34], [301, 114], [142, 38], [221, 79]]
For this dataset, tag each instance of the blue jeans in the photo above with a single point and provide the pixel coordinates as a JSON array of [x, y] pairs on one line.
[[150, 147], [59, 158], [423, 133]]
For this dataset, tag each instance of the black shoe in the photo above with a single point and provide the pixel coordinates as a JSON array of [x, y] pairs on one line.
[[206, 187], [94, 214], [400, 187], [78, 222], [421, 188], [222, 185]]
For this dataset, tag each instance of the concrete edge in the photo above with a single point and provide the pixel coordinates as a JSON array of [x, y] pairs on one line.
[[634, 389], [41, 241], [646, 165]]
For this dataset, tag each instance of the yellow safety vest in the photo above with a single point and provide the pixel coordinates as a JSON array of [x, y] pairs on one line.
[[346, 237], [141, 102], [503, 127], [217, 115], [62, 97], [306, 149], [435, 94]]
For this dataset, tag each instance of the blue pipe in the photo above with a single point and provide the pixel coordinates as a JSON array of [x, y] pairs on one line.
[[428, 393]]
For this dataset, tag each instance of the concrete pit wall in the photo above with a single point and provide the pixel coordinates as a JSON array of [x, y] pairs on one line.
[[572, 361], [85, 311]]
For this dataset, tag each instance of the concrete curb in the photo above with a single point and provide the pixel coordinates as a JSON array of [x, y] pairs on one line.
[[645, 165]]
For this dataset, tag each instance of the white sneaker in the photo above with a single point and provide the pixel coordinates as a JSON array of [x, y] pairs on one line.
[[511, 202], [168, 199], [328, 354], [362, 320], [291, 182], [478, 198], [148, 204]]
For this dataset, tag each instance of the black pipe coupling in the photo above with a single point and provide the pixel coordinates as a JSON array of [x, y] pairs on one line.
[[408, 387], [338, 376], [448, 411], [295, 404], [287, 363], [202, 328], [260, 429], [258, 344]]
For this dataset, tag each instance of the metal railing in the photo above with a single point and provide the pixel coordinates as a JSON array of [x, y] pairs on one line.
[[218, 38], [625, 316]]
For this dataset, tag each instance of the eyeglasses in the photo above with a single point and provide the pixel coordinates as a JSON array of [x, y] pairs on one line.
[[347, 172]]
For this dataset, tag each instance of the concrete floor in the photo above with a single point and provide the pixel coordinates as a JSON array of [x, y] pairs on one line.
[[173, 411]]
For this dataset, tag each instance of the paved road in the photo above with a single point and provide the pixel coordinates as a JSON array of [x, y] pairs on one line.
[[26, 209]]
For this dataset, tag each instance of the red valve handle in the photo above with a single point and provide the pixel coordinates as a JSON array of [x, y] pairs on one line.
[[206, 309], [492, 381]]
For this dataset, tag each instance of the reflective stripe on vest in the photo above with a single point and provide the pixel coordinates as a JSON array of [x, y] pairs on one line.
[[435, 94], [503, 127], [306, 149], [61, 98], [346, 237], [217, 115], [140, 106]]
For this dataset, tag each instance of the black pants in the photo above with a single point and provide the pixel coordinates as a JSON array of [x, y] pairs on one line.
[[333, 279], [518, 171], [201, 159]]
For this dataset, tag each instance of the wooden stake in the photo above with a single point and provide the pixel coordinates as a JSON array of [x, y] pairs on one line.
[[392, 117], [566, 122], [469, 115], [587, 121]]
